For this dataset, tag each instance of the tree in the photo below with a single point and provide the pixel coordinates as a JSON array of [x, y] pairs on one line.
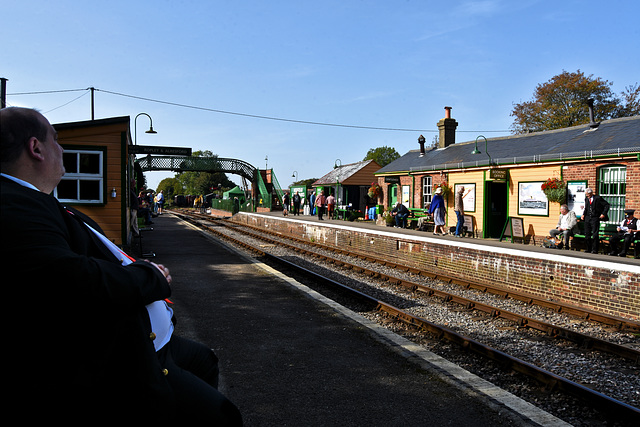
[[382, 155], [561, 103]]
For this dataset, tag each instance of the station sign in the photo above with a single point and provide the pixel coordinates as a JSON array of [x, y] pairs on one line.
[[392, 179], [498, 174], [158, 150]]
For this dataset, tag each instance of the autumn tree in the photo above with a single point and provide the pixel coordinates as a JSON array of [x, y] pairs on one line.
[[382, 155], [561, 103]]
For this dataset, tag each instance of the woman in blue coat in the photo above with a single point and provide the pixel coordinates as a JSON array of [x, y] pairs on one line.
[[438, 210]]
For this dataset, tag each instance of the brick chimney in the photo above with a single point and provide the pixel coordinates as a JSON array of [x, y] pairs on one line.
[[447, 127]]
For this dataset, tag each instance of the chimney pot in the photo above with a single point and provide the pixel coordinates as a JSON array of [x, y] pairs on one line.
[[592, 123], [421, 142], [447, 130]]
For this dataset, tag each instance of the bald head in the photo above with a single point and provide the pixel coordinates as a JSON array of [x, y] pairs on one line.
[[29, 148]]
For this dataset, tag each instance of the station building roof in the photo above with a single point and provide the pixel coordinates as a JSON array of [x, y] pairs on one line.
[[607, 138]]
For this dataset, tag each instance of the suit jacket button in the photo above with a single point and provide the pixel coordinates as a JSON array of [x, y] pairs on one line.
[[152, 336], [165, 372]]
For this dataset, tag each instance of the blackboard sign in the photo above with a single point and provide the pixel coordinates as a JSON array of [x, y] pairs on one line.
[[514, 227]]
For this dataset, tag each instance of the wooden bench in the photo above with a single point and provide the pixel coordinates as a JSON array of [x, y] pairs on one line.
[[605, 233], [610, 231], [415, 214]]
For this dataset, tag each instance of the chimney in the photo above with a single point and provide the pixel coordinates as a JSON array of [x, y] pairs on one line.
[[421, 142], [593, 123], [447, 128]]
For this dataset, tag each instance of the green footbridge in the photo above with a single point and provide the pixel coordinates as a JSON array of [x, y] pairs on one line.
[[265, 188]]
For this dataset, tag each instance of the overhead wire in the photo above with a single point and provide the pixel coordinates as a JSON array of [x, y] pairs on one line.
[[255, 116]]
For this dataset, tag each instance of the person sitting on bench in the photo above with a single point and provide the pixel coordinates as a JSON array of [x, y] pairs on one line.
[[627, 231]]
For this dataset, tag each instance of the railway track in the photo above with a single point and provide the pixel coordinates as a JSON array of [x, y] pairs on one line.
[[614, 408]]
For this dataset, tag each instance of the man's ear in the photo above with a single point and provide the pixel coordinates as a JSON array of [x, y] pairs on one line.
[[35, 149]]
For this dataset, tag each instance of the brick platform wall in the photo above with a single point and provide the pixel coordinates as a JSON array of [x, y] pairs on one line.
[[603, 286]]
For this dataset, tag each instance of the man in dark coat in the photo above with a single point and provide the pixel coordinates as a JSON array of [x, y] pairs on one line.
[[595, 210], [79, 345], [628, 231]]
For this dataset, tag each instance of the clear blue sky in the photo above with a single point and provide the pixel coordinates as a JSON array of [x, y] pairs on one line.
[[371, 64]]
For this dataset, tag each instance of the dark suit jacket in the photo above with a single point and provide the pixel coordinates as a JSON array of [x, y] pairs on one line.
[[600, 207], [77, 334]]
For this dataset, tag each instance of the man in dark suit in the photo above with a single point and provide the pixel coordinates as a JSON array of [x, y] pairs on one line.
[[628, 231], [595, 210], [89, 335]]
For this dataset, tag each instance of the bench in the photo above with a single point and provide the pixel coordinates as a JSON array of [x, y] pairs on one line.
[[605, 234], [416, 214], [610, 231], [142, 227]]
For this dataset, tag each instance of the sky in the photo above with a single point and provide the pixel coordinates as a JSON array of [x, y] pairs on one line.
[[299, 86]]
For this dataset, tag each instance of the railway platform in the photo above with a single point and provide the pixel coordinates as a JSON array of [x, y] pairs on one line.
[[290, 357]]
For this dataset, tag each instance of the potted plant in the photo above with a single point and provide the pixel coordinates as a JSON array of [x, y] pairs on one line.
[[388, 218], [555, 189]]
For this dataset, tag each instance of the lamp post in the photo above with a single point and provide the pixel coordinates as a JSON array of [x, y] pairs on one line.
[[295, 175], [135, 127], [336, 166], [476, 151]]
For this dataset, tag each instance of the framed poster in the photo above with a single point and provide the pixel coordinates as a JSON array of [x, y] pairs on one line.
[[468, 196], [405, 195], [575, 196], [531, 199]]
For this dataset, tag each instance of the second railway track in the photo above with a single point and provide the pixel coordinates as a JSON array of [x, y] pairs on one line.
[[401, 297]]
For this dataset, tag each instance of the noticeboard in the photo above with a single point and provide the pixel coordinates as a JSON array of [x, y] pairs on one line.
[[513, 227]]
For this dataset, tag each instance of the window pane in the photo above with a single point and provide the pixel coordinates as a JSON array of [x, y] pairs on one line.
[[70, 161], [89, 190], [89, 163], [68, 189]]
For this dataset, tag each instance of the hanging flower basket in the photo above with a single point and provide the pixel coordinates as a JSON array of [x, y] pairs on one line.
[[555, 189], [446, 189], [375, 191]]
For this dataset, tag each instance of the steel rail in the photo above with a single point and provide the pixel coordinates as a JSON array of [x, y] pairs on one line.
[[614, 408], [584, 341], [623, 325]]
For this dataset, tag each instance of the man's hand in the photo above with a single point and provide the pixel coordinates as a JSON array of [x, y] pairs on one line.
[[164, 270]]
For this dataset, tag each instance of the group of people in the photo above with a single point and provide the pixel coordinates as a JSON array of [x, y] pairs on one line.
[[596, 209], [92, 334], [317, 204], [438, 211]]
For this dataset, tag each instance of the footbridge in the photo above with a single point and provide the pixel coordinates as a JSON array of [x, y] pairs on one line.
[[212, 165]]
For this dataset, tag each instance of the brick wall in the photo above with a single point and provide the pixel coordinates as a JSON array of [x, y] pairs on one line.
[[602, 286]]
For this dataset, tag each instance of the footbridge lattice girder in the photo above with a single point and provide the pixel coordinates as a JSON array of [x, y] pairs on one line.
[[198, 164]]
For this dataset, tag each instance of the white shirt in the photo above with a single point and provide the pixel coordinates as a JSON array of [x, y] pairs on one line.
[[160, 313]]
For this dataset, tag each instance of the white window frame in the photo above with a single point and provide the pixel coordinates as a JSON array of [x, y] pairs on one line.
[[427, 190], [84, 177]]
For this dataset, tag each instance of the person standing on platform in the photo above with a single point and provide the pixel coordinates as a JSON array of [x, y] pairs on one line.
[[595, 210], [296, 203], [437, 209], [628, 230], [331, 206], [160, 202], [103, 324], [312, 203], [321, 201], [285, 204], [567, 226], [458, 207]]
